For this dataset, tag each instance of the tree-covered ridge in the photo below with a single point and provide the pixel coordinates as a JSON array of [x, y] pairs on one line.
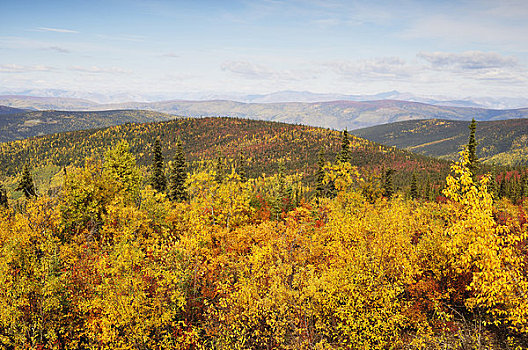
[[10, 110], [502, 142], [102, 262], [24, 124], [262, 145]]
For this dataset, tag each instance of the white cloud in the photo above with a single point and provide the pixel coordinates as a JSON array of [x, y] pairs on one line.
[[58, 49], [468, 30], [327, 22], [385, 68], [16, 68], [506, 9], [99, 70], [249, 70], [56, 30], [477, 65], [469, 60], [170, 55], [124, 37]]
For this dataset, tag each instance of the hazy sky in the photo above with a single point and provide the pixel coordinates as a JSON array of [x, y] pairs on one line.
[[454, 48]]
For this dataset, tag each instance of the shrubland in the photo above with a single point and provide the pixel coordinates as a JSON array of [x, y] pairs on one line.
[[104, 261]]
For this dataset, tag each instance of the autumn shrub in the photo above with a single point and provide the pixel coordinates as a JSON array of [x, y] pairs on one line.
[[105, 263]]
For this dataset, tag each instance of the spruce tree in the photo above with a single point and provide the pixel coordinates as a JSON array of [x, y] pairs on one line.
[[344, 155], [427, 191], [219, 171], [502, 187], [472, 147], [242, 168], [492, 186], [388, 185], [414, 186], [319, 175], [280, 193], [159, 182], [524, 183], [26, 184], [178, 175], [3, 197]]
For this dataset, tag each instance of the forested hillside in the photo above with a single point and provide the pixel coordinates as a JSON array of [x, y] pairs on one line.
[[502, 142], [19, 124], [263, 147], [10, 110]]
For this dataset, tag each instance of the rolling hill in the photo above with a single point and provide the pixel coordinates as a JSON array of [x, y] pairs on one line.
[[264, 145], [21, 125], [45, 103], [331, 114], [10, 110], [503, 142]]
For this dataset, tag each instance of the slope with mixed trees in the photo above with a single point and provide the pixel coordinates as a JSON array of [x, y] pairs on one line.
[[502, 142], [264, 147], [18, 124], [105, 261]]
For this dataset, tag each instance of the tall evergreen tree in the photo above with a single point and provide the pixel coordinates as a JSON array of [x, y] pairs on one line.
[[220, 171], [3, 197], [26, 184], [281, 193], [427, 192], [178, 175], [524, 183], [502, 187], [388, 185], [242, 168], [492, 186], [319, 175], [158, 180], [344, 154], [472, 147], [414, 186]]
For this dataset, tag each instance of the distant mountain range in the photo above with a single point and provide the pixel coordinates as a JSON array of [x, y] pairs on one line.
[[502, 142], [331, 114], [277, 97]]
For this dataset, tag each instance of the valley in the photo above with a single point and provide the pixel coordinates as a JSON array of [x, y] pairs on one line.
[[500, 142]]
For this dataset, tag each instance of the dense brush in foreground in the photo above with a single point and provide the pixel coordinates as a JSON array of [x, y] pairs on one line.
[[103, 263]]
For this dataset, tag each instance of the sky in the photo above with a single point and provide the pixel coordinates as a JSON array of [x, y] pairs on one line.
[[430, 48]]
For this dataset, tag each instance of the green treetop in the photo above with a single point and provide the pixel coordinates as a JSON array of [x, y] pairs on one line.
[[319, 175], [414, 186], [220, 170], [159, 183], [3, 197], [472, 147], [178, 175], [242, 168], [388, 185], [344, 155], [26, 184]]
